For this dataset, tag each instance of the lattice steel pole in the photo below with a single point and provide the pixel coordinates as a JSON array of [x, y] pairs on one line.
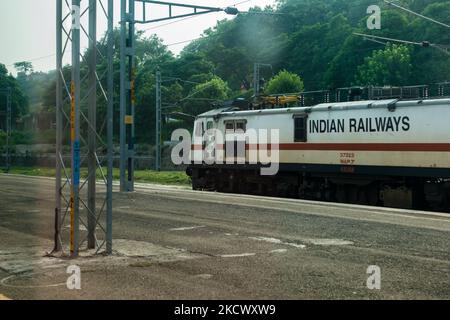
[[132, 96], [110, 125], [59, 129], [92, 128], [127, 48], [83, 90], [123, 99], [123, 39], [127, 96], [75, 132]]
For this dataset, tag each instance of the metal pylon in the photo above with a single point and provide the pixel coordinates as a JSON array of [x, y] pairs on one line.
[[79, 198], [158, 122], [127, 95], [127, 70]]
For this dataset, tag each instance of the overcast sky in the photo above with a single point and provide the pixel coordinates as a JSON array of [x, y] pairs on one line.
[[27, 28]]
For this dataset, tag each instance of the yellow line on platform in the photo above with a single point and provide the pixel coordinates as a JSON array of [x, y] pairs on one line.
[[2, 297]]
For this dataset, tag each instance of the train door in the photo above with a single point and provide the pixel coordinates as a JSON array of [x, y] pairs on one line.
[[229, 134], [198, 141]]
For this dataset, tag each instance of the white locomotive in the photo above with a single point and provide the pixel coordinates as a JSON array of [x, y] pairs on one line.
[[379, 152]]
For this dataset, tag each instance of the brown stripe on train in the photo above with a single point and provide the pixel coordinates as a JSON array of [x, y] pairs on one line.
[[411, 147]]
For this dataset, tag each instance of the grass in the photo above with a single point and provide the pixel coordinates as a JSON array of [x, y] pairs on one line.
[[149, 176]]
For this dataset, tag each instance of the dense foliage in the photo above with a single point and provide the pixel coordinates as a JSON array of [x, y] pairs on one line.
[[391, 66], [19, 100]]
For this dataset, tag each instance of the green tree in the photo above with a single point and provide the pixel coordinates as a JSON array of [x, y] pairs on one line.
[[19, 102], [391, 66], [151, 54], [194, 67], [351, 51], [285, 82], [430, 64], [24, 67], [233, 46], [203, 96], [313, 48]]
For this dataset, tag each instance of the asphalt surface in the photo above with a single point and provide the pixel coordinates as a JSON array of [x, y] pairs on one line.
[[174, 243]]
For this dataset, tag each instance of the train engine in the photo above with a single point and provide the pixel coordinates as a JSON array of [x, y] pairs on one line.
[[378, 152]]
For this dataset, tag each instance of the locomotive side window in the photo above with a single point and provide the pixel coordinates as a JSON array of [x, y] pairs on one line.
[[240, 125], [209, 125], [236, 125], [229, 125], [300, 132]]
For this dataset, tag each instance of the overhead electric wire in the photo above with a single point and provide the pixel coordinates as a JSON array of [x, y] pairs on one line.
[[387, 39], [242, 2], [166, 79], [169, 23], [441, 47], [190, 96], [191, 17], [416, 14], [203, 37], [183, 19], [194, 93], [265, 13], [375, 41], [181, 42], [34, 59]]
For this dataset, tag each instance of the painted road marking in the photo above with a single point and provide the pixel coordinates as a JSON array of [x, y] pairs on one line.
[[278, 251], [329, 242], [186, 228], [237, 255], [204, 276], [278, 241], [5, 281], [318, 241]]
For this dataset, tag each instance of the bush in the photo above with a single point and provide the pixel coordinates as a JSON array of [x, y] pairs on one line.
[[285, 82]]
